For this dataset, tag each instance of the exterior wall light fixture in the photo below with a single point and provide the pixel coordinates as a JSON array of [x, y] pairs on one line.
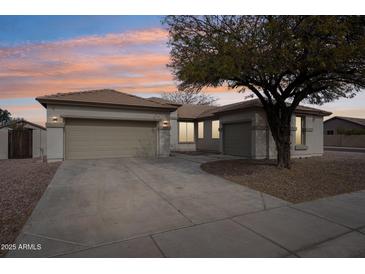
[[165, 124]]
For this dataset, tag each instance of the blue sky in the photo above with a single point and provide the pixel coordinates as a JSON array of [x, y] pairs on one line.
[[25, 29], [48, 54]]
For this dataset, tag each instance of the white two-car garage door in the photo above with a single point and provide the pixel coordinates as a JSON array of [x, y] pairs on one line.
[[93, 139]]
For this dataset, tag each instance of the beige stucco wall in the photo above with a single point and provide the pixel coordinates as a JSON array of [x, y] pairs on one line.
[[174, 136], [263, 145], [163, 149], [55, 144], [313, 137], [173, 131], [207, 143], [55, 129]]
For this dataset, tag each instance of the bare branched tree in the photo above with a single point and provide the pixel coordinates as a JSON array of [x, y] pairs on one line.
[[189, 97]]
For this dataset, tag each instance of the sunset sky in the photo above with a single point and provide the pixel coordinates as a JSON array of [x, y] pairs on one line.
[[48, 54]]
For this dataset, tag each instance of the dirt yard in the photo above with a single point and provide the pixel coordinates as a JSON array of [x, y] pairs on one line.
[[308, 179], [22, 183]]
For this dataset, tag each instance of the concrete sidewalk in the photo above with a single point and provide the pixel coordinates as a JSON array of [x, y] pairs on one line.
[[171, 208]]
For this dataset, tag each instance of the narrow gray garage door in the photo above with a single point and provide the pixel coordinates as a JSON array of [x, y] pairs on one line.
[[93, 139], [237, 139]]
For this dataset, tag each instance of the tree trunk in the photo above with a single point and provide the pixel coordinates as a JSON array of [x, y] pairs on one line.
[[279, 119], [283, 152]]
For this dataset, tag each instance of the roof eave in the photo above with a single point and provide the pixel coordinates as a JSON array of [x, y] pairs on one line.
[[45, 102], [186, 118], [312, 112], [40, 100], [164, 103]]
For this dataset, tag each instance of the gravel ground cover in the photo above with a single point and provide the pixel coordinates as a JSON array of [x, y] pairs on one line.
[[308, 179], [22, 183]]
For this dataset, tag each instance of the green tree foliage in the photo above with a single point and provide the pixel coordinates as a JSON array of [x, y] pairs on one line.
[[5, 117], [283, 60]]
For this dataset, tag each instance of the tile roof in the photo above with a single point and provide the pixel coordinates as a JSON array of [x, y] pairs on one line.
[[103, 97], [359, 121], [163, 101], [190, 111], [208, 113], [239, 105], [311, 110], [187, 111], [257, 103]]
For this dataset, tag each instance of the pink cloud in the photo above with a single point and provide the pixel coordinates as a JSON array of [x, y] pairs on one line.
[[21, 108], [115, 60], [133, 62], [146, 36], [32, 112]]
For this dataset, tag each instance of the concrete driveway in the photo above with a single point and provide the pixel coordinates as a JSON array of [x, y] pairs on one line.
[[167, 207]]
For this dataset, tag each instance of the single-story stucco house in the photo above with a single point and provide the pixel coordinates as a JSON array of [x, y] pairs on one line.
[[241, 129], [105, 124], [22, 139], [339, 125], [108, 123], [342, 131]]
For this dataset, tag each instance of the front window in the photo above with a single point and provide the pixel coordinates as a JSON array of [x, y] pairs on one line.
[[330, 132], [186, 132], [201, 130], [300, 132], [215, 129]]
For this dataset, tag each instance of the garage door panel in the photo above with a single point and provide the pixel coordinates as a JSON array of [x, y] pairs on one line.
[[107, 123], [92, 139], [237, 139]]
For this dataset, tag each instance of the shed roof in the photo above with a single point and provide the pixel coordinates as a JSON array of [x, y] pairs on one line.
[[22, 121]]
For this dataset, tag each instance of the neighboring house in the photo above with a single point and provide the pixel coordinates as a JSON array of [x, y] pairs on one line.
[[344, 132], [338, 125], [241, 129], [22, 139], [107, 123]]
